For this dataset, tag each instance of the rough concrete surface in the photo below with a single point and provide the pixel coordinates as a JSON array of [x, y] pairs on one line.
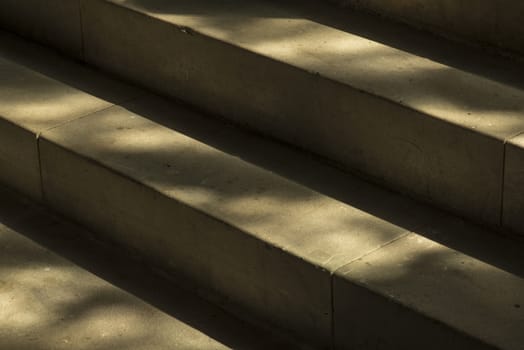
[[351, 90], [60, 290], [146, 170], [204, 210], [423, 127]]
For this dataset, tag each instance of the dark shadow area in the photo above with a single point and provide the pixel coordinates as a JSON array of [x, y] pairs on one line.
[[115, 266]]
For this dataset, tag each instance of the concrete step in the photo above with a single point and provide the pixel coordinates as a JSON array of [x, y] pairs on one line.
[[59, 289], [491, 24], [374, 99], [259, 228]]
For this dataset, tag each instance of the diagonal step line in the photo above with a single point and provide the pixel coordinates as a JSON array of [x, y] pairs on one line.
[[402, 236]]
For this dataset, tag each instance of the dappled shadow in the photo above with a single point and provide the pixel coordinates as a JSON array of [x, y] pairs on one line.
[[225, 173], [242, 14], [406, 38], [50, 302], [289, 163], [470, 101], [257, 184], [314, 174]]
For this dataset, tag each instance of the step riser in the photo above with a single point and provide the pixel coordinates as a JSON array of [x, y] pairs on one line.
[[361, 332], [425, 157], [19, 170], [237, 270], [492, 24], [446, 164], [214, 256], [513, 217]]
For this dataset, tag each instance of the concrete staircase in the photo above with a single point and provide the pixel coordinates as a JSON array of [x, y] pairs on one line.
[[282, 235]]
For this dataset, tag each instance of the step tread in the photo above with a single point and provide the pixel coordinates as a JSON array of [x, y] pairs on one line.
[[28, 93], [258, 202], [280, 32]]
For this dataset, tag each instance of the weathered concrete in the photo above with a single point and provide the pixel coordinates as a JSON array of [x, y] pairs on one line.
[[204, 211], [198, 212], [408, 290], [35, 96], [513, 208], [54, 22], [58, 290], [264, 236], [487, 22], [425, 128]]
